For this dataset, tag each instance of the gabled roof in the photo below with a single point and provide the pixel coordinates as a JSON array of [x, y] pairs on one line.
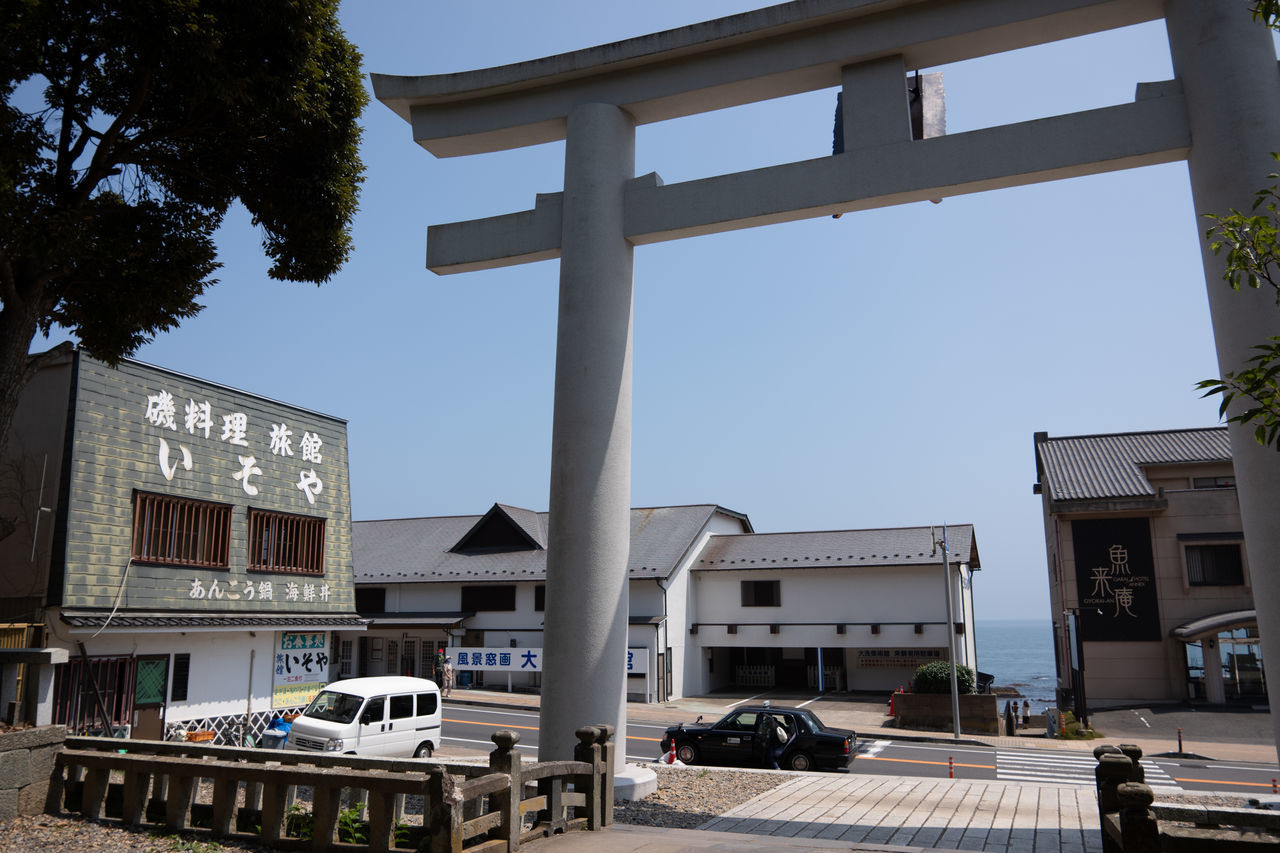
[[503, 529], [895, 546], [1110, 467], [424, 549]]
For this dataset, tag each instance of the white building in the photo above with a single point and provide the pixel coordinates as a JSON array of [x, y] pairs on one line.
[[712, 603]]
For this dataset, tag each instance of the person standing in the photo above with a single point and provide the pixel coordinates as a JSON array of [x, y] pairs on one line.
[[448, 675]]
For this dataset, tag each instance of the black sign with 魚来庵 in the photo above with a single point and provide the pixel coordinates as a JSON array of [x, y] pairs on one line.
[[1115, 579]]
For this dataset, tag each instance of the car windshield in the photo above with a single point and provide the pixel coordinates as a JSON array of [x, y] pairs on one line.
[[334, 707]]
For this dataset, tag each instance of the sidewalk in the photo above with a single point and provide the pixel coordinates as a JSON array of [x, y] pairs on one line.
[[826, 811], [873, 813]]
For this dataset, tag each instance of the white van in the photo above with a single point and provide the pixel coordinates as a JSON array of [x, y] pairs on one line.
[[391, 715]]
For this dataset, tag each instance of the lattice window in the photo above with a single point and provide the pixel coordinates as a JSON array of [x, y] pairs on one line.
[[409, 658], [344, 657], [279, 542], [150, 682], [180, 531]]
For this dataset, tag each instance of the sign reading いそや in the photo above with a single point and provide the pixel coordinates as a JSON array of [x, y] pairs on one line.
[[300, 669], [1115, 579]]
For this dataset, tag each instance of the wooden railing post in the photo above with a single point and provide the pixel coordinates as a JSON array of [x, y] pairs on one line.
[[443, 807], [1138, 827], [505, 759], [588, 752]]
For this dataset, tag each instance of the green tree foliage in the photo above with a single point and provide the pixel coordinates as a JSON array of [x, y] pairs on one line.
[[128, 129], [1250, 241], [935, 677]]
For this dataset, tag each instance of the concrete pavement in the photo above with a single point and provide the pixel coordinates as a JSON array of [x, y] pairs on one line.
[[826, 811]]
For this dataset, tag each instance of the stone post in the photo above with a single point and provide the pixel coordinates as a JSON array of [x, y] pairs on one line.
[[1226, 64], [589, 751], [607, 746], [442, 812], [585, 634], [1134, 753], [1113, 770], [1138, 827], [505, 759]]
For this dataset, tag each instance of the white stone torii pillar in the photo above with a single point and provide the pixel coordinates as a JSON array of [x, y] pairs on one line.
[[1226, 96], [1227, 65], [589, 523]]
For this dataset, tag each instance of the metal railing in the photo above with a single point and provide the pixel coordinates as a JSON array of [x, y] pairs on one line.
[[253, 794]]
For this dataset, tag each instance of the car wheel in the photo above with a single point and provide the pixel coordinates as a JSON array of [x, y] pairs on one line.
[[800, 761], [423, 750], [687, 752]]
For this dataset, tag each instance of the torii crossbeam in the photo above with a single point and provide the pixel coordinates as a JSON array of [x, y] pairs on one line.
[[1221, 114]]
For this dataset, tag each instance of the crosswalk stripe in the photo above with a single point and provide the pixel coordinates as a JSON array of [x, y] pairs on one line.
[[1068, 769], [869, 748]]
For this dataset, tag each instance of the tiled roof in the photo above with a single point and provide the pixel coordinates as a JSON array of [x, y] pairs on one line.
[[417, 549], [897, 546], [97, 618], [1094, 467]]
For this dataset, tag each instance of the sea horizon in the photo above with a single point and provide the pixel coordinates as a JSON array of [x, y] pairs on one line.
[[1019, 654]]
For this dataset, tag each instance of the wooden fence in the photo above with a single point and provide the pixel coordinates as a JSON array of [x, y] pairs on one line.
[[253, 794], [1132, 822]]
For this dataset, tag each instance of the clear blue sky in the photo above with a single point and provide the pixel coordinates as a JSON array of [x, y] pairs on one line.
[[886, 369]]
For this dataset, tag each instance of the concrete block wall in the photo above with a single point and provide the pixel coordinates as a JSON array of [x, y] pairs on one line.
[[27, 758]]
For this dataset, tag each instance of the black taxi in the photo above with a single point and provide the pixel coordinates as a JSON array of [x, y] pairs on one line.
[[745, 737]]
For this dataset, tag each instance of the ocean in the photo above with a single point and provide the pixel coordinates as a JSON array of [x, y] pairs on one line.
[[1019, 653]]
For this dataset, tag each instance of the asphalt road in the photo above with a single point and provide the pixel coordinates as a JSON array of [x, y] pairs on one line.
[[467, 731]]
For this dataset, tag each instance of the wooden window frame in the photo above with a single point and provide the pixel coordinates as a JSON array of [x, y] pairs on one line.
[[296, 545], [174, 531]]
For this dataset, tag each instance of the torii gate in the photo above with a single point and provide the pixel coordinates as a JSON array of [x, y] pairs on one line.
[[1221, 114]]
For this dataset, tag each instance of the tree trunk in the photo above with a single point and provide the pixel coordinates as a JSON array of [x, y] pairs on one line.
[[17, 366]]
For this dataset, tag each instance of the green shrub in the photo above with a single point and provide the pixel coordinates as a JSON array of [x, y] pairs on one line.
[[935, 677], [1074, 731]]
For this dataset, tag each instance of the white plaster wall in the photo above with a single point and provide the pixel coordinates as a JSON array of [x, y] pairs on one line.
[[873, 594], [645, 597], [219, 679], [863, 594], [690, 671]]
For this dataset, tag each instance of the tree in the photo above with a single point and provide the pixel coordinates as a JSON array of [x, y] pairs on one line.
[[1252, 245], [146, 120]]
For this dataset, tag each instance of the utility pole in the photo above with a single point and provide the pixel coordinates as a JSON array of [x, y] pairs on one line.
[[951, 630]]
